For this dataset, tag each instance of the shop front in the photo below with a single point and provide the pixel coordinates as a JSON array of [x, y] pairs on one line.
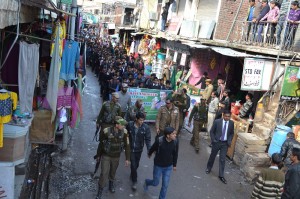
[[40, 90]]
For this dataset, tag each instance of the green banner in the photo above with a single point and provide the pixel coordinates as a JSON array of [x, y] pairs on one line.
[[68, 2], [291, 84], [153, 99]]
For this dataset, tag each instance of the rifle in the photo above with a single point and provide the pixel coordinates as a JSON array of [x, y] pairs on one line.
[[96, 134], [97, 163]]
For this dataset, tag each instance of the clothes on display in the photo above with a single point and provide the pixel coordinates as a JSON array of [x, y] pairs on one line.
[[62, 36], [53, 80], [8, 103], [70, 59], [27, 74], [64, 98]]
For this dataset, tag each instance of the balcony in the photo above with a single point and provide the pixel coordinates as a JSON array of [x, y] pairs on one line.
[[266, 37]]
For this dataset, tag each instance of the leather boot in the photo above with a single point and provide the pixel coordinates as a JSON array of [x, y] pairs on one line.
[[99, 194], [112, 187]]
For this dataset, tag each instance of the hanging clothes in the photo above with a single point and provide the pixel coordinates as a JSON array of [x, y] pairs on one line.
[[27, 75], [52, 89], [62, 35], [64, 98], [8, 103], [70, 57]]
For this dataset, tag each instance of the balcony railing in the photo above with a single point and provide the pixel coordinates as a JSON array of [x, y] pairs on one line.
[[266, 34]]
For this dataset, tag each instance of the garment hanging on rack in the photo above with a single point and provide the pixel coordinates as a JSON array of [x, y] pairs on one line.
[[53, 77], [62, 35], [27, 75], [8, 103], [70, 58]]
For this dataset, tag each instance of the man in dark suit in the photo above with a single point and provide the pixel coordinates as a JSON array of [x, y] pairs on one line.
[[221, 135]]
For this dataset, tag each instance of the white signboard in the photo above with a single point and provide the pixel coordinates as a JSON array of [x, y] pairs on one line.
[[183, 59], [257, 74]]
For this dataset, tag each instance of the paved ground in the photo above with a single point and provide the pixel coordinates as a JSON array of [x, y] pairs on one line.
[[71, 175]]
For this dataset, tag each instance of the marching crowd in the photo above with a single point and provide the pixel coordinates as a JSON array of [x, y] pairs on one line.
[[121, 125]]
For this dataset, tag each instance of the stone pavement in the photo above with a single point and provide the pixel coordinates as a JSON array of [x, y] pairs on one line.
[[71, 175]]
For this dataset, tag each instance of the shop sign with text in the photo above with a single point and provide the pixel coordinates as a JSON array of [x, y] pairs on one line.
[[257, 74], [291, 84]]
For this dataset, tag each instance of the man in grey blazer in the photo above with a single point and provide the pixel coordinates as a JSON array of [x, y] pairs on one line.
[[221, 135]]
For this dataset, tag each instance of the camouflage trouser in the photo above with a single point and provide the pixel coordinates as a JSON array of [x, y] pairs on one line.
[[109, 167], [197, 125]]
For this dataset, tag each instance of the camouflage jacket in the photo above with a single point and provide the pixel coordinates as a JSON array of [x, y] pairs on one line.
[[112, 143], [108, 112]]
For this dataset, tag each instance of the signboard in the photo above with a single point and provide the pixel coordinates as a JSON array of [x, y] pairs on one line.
[[153, 99], [257, 74], [291, 85], [174, 25], [183, 59]]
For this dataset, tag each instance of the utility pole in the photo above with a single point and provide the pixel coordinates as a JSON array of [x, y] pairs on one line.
[[66, 129], [73, 19]]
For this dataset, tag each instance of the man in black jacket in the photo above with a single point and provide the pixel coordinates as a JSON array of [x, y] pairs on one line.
[[286, 148], [139, 133], [221, 135], [166, 154], [291, 189]]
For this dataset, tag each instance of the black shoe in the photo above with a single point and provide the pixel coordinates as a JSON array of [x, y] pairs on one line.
[[99, 194], [207, 171], [197, 151], [112, 187], [210, 145], [223, 180]]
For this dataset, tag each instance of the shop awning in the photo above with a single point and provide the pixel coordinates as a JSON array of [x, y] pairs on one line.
[[126, 28], [137, 33], [230, 52], [45, 4]]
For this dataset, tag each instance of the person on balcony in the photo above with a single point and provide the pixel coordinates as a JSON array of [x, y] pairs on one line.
[[284, 9], [293, 21], [265, 9], [164, 16], [272, 18], [253, 11]]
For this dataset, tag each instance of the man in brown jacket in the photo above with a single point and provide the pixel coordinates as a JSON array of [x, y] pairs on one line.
[[168, 115], [208, 90]]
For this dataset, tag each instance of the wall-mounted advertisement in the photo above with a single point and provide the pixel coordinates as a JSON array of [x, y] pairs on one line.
[[257, 74], [291, 84]]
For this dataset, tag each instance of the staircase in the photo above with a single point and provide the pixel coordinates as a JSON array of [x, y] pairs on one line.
[[251, 148]]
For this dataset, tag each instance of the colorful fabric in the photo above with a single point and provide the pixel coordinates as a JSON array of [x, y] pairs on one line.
[[64, 98], [8, 102], [1, 135], [70, 58]]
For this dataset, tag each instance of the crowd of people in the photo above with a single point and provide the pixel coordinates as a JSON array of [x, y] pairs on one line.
[[121, 124], [273, 15]]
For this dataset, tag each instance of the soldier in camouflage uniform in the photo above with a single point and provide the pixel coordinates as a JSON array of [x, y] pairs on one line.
[[112, 143], [168, 115], [199, 114], [180, 102], [108, 113]]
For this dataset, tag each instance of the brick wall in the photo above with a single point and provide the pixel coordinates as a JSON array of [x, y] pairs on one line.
[[118, 19], [228, 11]]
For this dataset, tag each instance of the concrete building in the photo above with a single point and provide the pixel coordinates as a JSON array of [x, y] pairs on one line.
[[213, 36]]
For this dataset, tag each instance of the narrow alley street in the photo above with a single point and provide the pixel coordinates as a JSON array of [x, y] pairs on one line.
[[72, 170]]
